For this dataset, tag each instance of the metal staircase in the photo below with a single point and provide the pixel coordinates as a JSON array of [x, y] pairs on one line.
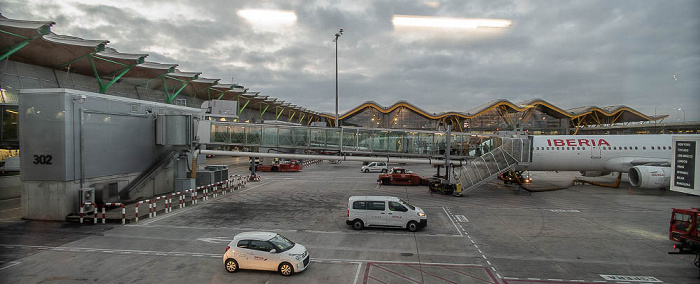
[[510, 153]]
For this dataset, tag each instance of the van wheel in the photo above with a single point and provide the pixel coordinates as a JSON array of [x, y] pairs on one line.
[[412, 226], [358, 225], [286, 269], [231, 265], [366, 170]]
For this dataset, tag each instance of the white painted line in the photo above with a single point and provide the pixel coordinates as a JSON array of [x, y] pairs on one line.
[[453, 222], [629, 278], [12, 263], [461, 218], [357, 273]]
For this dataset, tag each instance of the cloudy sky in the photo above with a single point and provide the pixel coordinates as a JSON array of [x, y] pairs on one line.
[[570, 53]]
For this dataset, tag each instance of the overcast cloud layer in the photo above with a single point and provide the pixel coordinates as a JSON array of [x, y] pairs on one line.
[[570, 53]]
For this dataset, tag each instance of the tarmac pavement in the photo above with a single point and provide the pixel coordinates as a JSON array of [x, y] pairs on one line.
[[497, 234]]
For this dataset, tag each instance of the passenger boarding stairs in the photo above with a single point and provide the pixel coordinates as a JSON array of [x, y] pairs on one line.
[[510, 153]]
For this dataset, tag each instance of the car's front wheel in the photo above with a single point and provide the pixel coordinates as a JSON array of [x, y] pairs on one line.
[[231, 265], [366, 170], [412, 226], [286, 269]]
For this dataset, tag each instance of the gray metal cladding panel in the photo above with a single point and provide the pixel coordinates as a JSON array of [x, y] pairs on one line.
[[43, 138], [117, 144]]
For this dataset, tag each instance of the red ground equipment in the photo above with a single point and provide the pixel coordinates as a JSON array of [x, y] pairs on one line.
[[291, 166], [401, 176], [684, 231]]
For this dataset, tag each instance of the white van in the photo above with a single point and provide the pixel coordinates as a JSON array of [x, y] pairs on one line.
[[375, 167], [384, 211]]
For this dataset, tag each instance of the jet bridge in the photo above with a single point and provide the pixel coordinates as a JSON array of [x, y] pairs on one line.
[[347, 140], [475, 159]]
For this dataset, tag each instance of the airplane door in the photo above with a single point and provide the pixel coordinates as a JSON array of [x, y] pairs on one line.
[[595, 152]]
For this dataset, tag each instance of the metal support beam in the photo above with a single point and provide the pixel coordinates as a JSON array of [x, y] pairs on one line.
[[262, 111], [278, 112], [170, 98], [245, 105], [44, 30]]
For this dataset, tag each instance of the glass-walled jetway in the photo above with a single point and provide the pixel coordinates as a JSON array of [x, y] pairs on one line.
[[352, 139]]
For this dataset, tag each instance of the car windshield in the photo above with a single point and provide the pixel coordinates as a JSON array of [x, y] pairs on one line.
[[281, 243], [407, 205]]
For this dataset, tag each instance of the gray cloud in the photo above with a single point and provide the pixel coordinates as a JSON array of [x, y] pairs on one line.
[[570, 53]]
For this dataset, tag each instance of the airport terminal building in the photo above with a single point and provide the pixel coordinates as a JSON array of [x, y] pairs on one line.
[[83, 103], [34, 58]]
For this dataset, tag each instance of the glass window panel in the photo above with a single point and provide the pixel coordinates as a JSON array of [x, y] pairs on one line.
[[253, 135], [270, 138]]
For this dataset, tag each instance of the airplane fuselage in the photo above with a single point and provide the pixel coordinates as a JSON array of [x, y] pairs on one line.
[[598, 152]]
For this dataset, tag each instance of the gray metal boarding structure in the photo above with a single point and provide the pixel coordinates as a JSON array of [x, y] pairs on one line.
[[509, 153], [348, 140], [500, 154]]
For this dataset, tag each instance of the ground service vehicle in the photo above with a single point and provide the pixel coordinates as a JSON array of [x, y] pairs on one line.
[[384, 211], [10, 164], [375, 167], [265, 251], [291, 166], [684, 231], [401, 176]]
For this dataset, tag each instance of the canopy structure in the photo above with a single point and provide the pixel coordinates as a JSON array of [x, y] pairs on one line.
[[32, 42]]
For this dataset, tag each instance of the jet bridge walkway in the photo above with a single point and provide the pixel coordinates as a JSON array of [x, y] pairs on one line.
[[350, 140], [486, 156]]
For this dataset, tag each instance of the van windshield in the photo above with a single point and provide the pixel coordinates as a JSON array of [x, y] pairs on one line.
[[407, 205]]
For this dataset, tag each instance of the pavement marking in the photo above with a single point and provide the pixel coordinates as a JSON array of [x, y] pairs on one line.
[[565, 210], [462, 219], [11, 264], [348, 232], [630, 278], [462, 230], [453, 222]]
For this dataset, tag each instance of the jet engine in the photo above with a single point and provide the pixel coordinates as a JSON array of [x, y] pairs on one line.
[[650, 177]]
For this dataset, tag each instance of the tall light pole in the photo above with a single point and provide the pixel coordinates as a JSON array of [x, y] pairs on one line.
[[655, 120], [337, 35], [683, 113]]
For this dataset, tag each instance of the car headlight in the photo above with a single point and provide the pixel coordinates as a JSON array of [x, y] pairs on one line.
[[421, 214], [297, 256]]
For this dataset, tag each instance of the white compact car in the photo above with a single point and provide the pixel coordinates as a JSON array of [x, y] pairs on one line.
[[265, 251], [375, 167]]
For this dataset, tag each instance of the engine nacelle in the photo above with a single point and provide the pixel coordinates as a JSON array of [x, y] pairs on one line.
[[650, 177], [594, 173]]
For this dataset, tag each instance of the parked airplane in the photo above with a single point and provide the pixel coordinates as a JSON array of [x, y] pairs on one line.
[[647, 158]]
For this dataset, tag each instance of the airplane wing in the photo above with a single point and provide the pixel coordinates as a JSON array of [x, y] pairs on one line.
[[650, 161], [623, 164]]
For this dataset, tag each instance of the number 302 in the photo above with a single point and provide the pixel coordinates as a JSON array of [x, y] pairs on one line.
[[42, 159]]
